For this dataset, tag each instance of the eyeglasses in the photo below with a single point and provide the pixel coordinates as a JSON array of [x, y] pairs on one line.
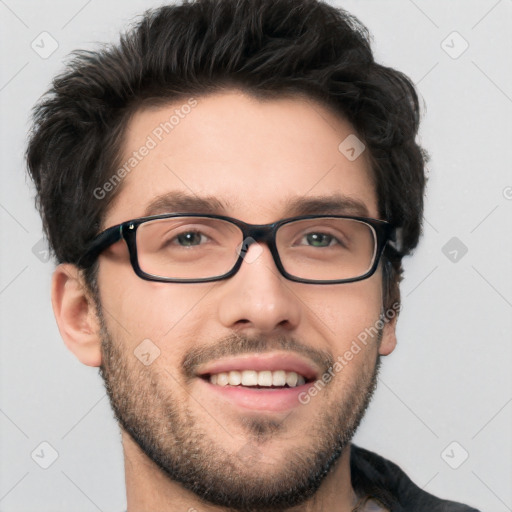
[[196, 248]]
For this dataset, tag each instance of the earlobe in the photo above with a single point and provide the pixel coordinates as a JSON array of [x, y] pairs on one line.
[[75, 313], [388, 341]]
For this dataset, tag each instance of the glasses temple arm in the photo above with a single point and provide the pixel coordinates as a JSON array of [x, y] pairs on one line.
[[99, 244], [395, 240]]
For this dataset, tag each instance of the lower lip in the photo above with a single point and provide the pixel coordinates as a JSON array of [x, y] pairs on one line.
[[257, 398]]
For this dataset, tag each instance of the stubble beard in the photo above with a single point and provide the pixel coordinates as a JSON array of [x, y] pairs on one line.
[[168, 432]]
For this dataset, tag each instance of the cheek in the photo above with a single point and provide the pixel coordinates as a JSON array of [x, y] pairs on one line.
[[162, 312], [343, 312]]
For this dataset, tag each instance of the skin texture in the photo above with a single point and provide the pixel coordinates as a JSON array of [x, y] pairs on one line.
[[182, 443]]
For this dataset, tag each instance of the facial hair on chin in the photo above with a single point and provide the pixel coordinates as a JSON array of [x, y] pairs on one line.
[[168, 432]]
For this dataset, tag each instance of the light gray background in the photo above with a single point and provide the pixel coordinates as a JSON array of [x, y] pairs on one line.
[[449, 378]]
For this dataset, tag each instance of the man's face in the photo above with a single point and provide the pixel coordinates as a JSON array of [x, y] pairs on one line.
[[243, 450]]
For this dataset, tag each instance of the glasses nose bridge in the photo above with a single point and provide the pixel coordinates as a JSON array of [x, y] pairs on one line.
[[260, 233]]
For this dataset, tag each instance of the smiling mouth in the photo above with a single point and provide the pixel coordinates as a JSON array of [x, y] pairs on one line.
[[252, 379]]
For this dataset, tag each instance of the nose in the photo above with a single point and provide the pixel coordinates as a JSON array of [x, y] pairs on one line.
[[258, 297]]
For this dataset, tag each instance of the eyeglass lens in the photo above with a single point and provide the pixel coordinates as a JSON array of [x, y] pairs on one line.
[[326, 248]]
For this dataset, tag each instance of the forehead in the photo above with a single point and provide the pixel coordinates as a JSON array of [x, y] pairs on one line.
[[237, 155]]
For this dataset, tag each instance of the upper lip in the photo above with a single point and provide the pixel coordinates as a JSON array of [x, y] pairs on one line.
[[260, 362]]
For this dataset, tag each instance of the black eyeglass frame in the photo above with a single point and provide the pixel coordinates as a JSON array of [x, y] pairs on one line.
[[264, 233]]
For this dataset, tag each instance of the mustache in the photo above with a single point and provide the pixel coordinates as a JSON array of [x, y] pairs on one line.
[[240, 344]]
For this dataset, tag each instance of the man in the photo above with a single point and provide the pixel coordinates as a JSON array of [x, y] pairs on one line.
[[230, 192]]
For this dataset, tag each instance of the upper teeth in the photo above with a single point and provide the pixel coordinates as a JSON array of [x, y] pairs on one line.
[[254, 378]]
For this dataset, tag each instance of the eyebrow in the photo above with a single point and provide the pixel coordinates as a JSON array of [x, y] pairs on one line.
[[174, 202], [337, 204], [180, 202]]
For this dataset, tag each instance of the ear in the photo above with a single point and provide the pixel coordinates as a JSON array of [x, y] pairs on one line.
[[75, 313], [388, 341]]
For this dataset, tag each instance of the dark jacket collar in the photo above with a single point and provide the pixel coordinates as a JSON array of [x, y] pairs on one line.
[[375, 476]]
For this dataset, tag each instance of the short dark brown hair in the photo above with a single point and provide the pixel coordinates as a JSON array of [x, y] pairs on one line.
[[267, 48]]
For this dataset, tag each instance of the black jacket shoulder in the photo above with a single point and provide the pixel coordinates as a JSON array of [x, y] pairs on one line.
[[382, 479]]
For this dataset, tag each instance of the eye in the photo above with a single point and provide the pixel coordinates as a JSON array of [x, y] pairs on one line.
[[189, 239], [320, 239]]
